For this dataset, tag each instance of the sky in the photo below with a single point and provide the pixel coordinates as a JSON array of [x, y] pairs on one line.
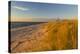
[[32, 11]]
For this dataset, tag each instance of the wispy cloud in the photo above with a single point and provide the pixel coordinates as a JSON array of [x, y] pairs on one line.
[[20, 8]]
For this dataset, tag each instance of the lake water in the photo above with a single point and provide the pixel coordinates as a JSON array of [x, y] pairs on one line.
[[22, 24]]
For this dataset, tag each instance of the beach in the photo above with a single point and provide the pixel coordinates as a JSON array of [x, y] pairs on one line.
[[49, 36]]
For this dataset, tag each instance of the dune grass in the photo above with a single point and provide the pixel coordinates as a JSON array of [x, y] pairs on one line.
[[58, 35]]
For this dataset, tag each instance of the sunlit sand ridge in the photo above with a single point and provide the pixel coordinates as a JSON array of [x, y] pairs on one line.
[[49, 36]]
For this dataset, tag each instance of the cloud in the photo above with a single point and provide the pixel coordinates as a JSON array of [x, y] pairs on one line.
[[20, 8]]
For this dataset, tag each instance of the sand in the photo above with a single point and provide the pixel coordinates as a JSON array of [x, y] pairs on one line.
[[49, 36]]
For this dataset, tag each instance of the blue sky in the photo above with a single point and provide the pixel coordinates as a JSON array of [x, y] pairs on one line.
[[31, 11]]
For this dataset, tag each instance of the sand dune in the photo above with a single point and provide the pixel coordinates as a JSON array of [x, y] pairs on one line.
[[58, 35]]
